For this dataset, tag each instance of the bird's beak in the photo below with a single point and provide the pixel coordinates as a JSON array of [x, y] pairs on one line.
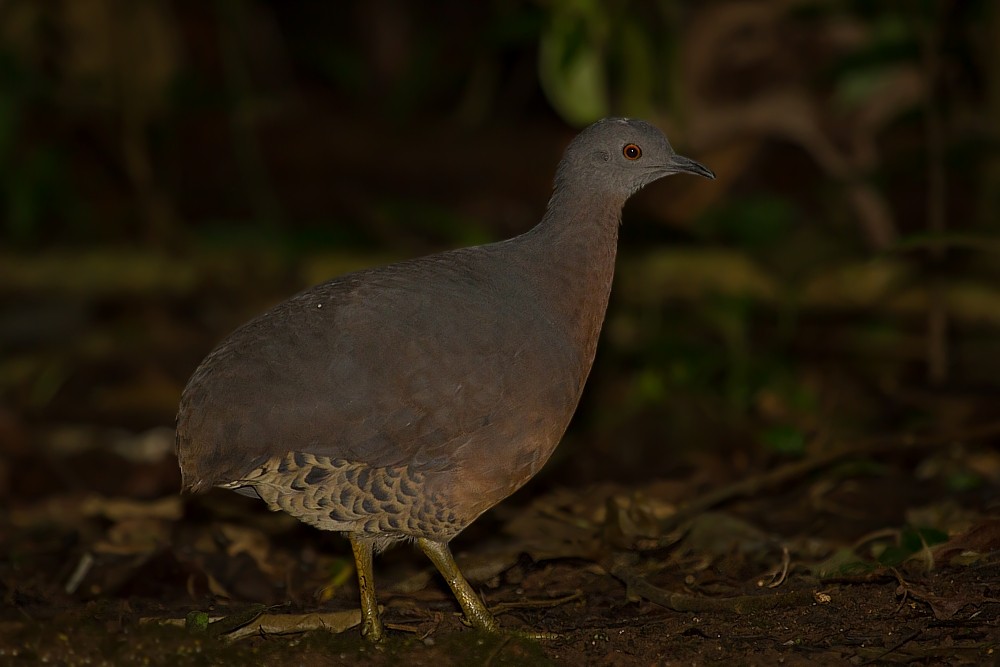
[[680, 164]]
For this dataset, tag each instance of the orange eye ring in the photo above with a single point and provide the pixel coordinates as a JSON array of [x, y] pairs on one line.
[[632, 152]]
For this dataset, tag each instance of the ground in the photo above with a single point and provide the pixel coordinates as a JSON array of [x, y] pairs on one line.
[[832, 559]]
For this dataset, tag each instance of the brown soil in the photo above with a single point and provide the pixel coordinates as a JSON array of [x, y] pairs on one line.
[[809, 571]]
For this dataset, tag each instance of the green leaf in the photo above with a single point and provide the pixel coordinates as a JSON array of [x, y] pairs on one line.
[[841, 562], [571, 67], [785, 440]]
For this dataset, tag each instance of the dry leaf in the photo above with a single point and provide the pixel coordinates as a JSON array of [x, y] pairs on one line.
[[134, 536], [121, 509], [250, 541]]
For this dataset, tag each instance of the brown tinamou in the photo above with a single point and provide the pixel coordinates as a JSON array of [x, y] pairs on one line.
[[400, 403]]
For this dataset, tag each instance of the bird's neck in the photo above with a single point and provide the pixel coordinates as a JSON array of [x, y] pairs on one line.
[[577, 241]]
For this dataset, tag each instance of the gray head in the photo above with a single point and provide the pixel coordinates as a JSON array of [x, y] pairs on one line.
[[620, 156]]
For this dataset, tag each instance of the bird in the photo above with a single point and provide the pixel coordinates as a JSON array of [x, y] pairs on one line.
[[399, 403]]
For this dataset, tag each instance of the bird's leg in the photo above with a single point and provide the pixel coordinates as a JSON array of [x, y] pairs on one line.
[[371, 622], [475, 611]]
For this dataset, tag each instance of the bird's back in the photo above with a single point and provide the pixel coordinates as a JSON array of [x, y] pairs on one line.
[[446, 365]]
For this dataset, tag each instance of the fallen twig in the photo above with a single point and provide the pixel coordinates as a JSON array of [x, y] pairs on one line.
[[895, 647], [740, 604], [502, 607], [779, 576], [797, 469], [253, 622]]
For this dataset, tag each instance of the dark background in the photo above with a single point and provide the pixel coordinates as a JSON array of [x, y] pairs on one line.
[[169, 169]]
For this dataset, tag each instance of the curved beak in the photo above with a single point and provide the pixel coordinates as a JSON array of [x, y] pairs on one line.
[[680, 164]]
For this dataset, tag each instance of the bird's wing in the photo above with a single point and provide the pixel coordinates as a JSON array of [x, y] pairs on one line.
[[408, 365]]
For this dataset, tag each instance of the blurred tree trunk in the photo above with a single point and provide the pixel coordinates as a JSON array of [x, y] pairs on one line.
[[989, 205]]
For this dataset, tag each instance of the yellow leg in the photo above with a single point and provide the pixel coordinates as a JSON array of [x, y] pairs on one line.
[[371, 622], [475, 611]]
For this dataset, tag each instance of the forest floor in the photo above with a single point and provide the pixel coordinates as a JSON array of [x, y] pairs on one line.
[[839, 558]]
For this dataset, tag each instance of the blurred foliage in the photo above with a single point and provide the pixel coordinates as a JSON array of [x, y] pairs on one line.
[[911, 542], [35, 184], [886, 550], [843, 258], [594, 58], [115, 93]]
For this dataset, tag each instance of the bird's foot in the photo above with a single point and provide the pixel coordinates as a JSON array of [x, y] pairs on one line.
[[533, 635], [488, 624], [372, 629]]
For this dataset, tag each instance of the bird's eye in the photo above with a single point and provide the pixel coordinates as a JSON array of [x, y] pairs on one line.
[[632, 152]]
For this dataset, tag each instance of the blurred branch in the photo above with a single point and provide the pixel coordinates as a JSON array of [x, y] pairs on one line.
[[790, 111]]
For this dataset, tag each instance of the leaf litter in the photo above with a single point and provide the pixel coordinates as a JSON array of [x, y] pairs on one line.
[[662, 571]]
